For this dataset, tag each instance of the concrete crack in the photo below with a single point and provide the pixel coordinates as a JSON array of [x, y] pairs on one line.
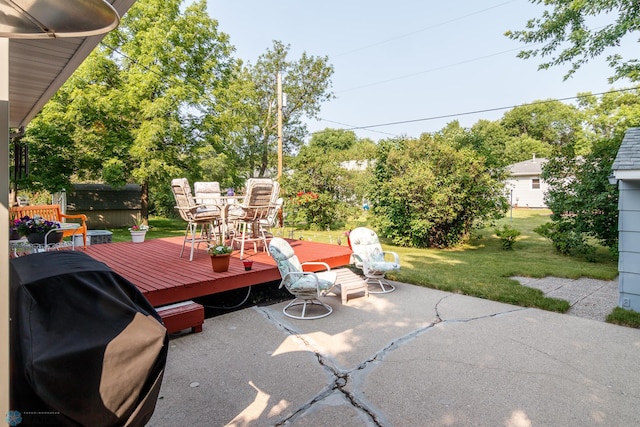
[[471, 319], [586, 296], [343, 381], [340, 382]]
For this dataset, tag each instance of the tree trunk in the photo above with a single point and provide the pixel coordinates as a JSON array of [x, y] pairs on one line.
[[144, 202], [264, 160]]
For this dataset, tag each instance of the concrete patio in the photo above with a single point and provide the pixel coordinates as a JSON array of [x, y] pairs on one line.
[[414, 357]]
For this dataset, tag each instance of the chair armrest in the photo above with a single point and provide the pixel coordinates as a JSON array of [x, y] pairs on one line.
[[324, 264], [396, 258], [357, 260], [190, 209], [81, 217]]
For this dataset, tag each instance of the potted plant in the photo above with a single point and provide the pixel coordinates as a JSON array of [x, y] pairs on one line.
[[13, 228], [138, 230], [38, 230], [220, 257]]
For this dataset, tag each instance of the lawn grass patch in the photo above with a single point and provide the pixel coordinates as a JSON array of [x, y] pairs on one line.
[[158, 227], [480, 268], [624, 317]]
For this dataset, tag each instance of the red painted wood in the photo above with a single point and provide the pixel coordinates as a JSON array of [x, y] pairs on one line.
[[163, 277], [176, 319]]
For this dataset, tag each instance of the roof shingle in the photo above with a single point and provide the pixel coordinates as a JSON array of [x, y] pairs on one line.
[[628, 157]]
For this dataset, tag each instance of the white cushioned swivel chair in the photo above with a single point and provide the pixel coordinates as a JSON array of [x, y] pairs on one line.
[[305, 286], [371, 259]]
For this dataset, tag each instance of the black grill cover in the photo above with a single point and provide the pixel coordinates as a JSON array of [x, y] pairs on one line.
[[87, 348]]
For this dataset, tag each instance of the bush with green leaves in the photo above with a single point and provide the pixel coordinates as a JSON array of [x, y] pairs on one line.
[[315, 211], [583, 203], [566, 241], [427, 193], [508, 236]]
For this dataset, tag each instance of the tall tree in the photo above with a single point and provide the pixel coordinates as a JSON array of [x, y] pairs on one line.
[[610, 115], [538, 127], [132, 112], [320, 168], [579, 183], [568, 37], [173, 62], [248, 113]]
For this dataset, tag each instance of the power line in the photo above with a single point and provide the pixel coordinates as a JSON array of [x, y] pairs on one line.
[[466, 61], [440, 24], [346, 124], [486, 110]]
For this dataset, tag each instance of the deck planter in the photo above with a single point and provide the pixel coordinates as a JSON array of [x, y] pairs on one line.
[[138, 236], [220, 263], [40, 238]]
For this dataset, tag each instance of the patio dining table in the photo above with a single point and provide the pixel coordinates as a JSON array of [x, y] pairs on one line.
[[221, 206]]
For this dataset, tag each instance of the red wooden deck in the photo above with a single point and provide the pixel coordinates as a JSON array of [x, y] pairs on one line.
[[163, 277]]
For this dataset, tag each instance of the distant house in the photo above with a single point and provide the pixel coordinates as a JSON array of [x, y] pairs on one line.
[[355, 165], [626, 172], [525, 186]]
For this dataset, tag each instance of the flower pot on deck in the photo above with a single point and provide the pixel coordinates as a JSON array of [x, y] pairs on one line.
[[138, 236], [220, 263]]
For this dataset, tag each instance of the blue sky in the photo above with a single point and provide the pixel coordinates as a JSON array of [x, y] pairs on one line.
[[408, 60]]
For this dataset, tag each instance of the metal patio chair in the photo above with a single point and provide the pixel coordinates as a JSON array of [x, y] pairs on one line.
[[194, 214], [247, 215], [371, 259], [305, 286]]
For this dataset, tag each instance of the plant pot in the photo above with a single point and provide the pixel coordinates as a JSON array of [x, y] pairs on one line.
[[220, 263], [137, 236], [13, 234], [39, 238]]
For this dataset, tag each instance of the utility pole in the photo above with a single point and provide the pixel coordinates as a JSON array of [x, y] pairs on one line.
[[279, 88]]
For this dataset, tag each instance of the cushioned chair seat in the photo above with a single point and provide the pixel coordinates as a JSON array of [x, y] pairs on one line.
[[325, 281], [383, 266]]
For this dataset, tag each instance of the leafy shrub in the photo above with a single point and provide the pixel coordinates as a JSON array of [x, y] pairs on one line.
[[320, 212], [427, 193], [580, 196], [508, 236], [566, 242], [317, 211]]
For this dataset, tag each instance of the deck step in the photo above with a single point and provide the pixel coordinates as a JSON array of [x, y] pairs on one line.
[[182, 315]]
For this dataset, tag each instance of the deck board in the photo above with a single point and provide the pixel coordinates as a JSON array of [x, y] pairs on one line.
[[163, 277]]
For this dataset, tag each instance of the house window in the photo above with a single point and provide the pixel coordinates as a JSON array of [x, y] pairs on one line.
[[535, 183]]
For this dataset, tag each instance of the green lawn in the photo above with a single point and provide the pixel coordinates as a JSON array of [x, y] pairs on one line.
[[480, 268], [160, 227]]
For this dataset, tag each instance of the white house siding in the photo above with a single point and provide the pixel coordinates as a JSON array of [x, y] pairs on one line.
[[629, 245], [524, 195], [521, 179]]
